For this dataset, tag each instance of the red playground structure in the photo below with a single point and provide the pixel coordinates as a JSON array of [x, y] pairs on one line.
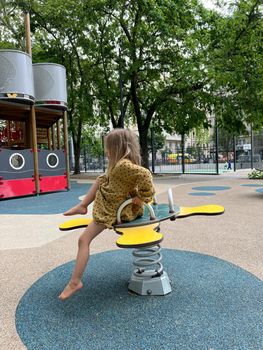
[[33, 141]]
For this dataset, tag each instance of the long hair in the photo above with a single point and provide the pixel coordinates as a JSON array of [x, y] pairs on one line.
[[120, 144]]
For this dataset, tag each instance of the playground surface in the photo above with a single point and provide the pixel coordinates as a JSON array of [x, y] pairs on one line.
[[214, 263]]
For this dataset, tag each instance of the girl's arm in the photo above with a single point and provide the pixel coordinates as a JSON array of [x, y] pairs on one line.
[[141, 179], [145, 188]]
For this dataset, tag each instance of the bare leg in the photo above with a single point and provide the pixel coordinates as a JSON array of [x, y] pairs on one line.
[[82, 259], [82, 207]]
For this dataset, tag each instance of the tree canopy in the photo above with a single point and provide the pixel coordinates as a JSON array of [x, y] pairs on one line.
[[167, 64]]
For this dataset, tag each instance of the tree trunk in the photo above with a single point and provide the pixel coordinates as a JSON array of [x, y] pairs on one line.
[[77, 142], [142, 129], [77, 158], [144, 147]]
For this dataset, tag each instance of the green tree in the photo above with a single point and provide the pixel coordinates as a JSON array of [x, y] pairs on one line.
[[12, 34], [149, 43], [202, 136], [169, 63], [162, 63], [238, 66], [155, 140], [92, 142]]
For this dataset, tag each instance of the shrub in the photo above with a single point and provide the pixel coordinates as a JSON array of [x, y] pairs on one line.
[[256, 174]]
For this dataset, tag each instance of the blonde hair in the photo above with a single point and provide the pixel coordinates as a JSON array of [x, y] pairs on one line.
[[120, 144]]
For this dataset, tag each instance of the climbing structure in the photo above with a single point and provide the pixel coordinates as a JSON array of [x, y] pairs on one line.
[[33, 100]]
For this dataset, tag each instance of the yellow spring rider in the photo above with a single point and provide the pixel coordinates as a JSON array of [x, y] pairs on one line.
[[144, 236]]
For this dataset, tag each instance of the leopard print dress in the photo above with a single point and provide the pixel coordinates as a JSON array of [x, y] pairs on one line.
[[123, 181]]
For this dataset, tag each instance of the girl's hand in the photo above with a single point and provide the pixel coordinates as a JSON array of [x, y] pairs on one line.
[[136, 200]]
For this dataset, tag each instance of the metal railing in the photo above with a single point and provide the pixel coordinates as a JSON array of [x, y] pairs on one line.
[[243, 152]]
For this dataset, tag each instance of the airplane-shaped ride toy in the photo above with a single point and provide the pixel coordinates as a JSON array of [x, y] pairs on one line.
[[143, 234]]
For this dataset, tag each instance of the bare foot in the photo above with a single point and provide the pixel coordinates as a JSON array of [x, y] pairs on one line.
[[78, 209], [70, 289]]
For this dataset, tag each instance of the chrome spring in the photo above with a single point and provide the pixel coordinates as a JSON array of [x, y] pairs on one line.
[[145, 257]]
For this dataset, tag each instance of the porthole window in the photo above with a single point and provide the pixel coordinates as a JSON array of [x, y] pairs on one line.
[[52, 160], [16, 161]]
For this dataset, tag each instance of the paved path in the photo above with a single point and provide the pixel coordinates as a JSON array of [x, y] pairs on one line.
[[31, 245]]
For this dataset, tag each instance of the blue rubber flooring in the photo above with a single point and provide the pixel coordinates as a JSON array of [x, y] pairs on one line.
[[211, 188], [49, 203], [260, 190], [252, 185], [213, 305], [201, 194]]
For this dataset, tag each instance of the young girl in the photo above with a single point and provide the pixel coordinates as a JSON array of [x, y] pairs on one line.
[[125, 178]]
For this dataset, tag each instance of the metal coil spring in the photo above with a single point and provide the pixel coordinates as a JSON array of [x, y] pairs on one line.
[[145, 257]]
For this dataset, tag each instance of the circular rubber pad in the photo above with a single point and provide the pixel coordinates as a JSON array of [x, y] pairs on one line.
[[213, 305]]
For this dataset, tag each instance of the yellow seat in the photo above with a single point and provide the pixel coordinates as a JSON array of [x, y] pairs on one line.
[[141, 236], [210, 209]]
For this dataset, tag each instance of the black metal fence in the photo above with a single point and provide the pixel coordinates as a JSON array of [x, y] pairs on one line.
[[218, 156]]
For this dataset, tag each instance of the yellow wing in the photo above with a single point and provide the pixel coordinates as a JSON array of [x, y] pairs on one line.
[[210, 209], [74, 224]]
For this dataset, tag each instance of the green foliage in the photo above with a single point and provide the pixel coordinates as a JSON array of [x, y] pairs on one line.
[[156, 139], [11, 26], [176, 61], [256, 174], [225, 140], [92, 142], [238, 67], [163, 55], [202, 136]]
